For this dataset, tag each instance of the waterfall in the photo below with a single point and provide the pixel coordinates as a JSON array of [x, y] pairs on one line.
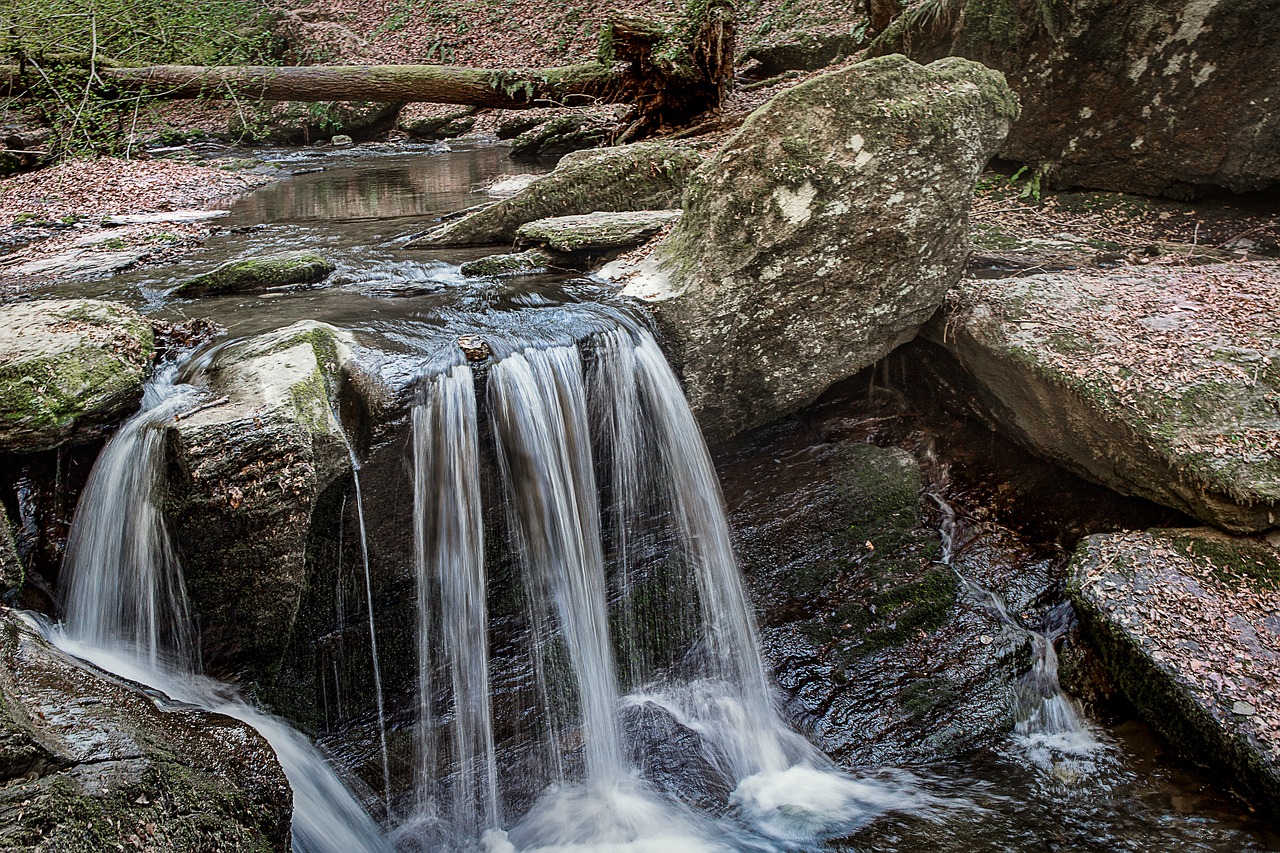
[[124, 588], [126, 612], [449, 554]]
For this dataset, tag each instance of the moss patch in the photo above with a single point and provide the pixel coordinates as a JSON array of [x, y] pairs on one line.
[[259, 273]]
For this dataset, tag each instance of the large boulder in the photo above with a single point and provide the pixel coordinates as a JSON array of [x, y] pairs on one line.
[[244, 478], [823, 234], [68, 368], [644, 176], [1160, 382], [1163, 98], [1186, 623], [90, 762], [303, 123]]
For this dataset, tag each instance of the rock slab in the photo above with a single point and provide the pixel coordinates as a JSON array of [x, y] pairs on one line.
[[68, 369], [595, 232], [1188, 625], [89, 762], [1162, 383], [823, 234]]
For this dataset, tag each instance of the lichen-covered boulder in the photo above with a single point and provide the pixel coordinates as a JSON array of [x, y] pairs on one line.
[[823, 234], [244, 479], [595, 232], [644, 176], [261, 272], [1186, 624], [1158, 382], [89, 762], [68, 369], [1164, 98]]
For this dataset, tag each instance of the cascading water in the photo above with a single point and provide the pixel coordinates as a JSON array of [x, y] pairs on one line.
[[126, 612]]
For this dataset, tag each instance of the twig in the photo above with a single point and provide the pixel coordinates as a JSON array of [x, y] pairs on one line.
[[209, 405]]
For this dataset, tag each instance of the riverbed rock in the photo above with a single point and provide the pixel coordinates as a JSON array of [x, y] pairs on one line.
[[563, 135], [244, 478], [261, 272], [595, 232], [823, 234], [90, 762], [1157, 382], [1186, 622], [872, 638], [11, 569], [1162, 98], [68, 369], [644, 176], [299, 123], [443, 125], [518, 263]]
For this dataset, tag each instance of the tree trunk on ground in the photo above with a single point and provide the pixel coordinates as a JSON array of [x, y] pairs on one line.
[[671, 71]]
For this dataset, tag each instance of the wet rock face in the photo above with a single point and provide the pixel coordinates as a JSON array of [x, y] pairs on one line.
[[11, 569], [1163, 98], [645, 176], [68, 369], [823, 234], [1186, 622], [883, 656], [244, 478], [88, 762], [1159, 383]]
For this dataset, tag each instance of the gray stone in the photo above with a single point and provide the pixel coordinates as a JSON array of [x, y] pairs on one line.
[[67, 369], [298, 123], [12, 573], [1139, 379], [1163, 98], [532, 261], [645, 176], [823, 234], [1173, 613], [261, 272], [245, 476], [595, 231], [89, 762]]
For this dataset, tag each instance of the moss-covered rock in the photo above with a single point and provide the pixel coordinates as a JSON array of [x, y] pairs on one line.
[[1185, 624], [595, 232], [448, 125], [68, 369], [89, 762], [1161, 98], [12, 572], [645, 176], [519, 263], [302, 123], [562, 135], [823, 234], [261, 272], [1156, 382], [243, 482]]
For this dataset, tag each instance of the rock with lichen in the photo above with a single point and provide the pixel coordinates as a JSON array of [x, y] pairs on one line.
[[516, 263], [595, 232], [90, 762], [246, 473], [1185, 623], [260, 272], [68, 370], [12, 572], [644, 176], [1158, 382], [823, 234]]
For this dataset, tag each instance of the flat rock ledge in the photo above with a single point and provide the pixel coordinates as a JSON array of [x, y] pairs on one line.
[[595, 232], [68, 368], [1162, 383], [1187, 622]]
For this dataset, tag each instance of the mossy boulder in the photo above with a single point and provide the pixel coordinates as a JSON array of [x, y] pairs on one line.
[[68, 369], [448, 125], [519, 263], [799, 50], [90, 762], [595, 232], [1160, 97], [871, 637], [1157, 382], [244, 479], [261, 272], [562, 135], [303, 123], [823, 234], [644, 176], [1185, 622]]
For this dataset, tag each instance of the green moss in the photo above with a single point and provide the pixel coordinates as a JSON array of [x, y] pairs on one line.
[[921, 697], [531, 261], [258, 273], [1232, 560]]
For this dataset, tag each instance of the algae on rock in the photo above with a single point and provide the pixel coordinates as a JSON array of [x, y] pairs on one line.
[[68, 369], [260, 272]]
